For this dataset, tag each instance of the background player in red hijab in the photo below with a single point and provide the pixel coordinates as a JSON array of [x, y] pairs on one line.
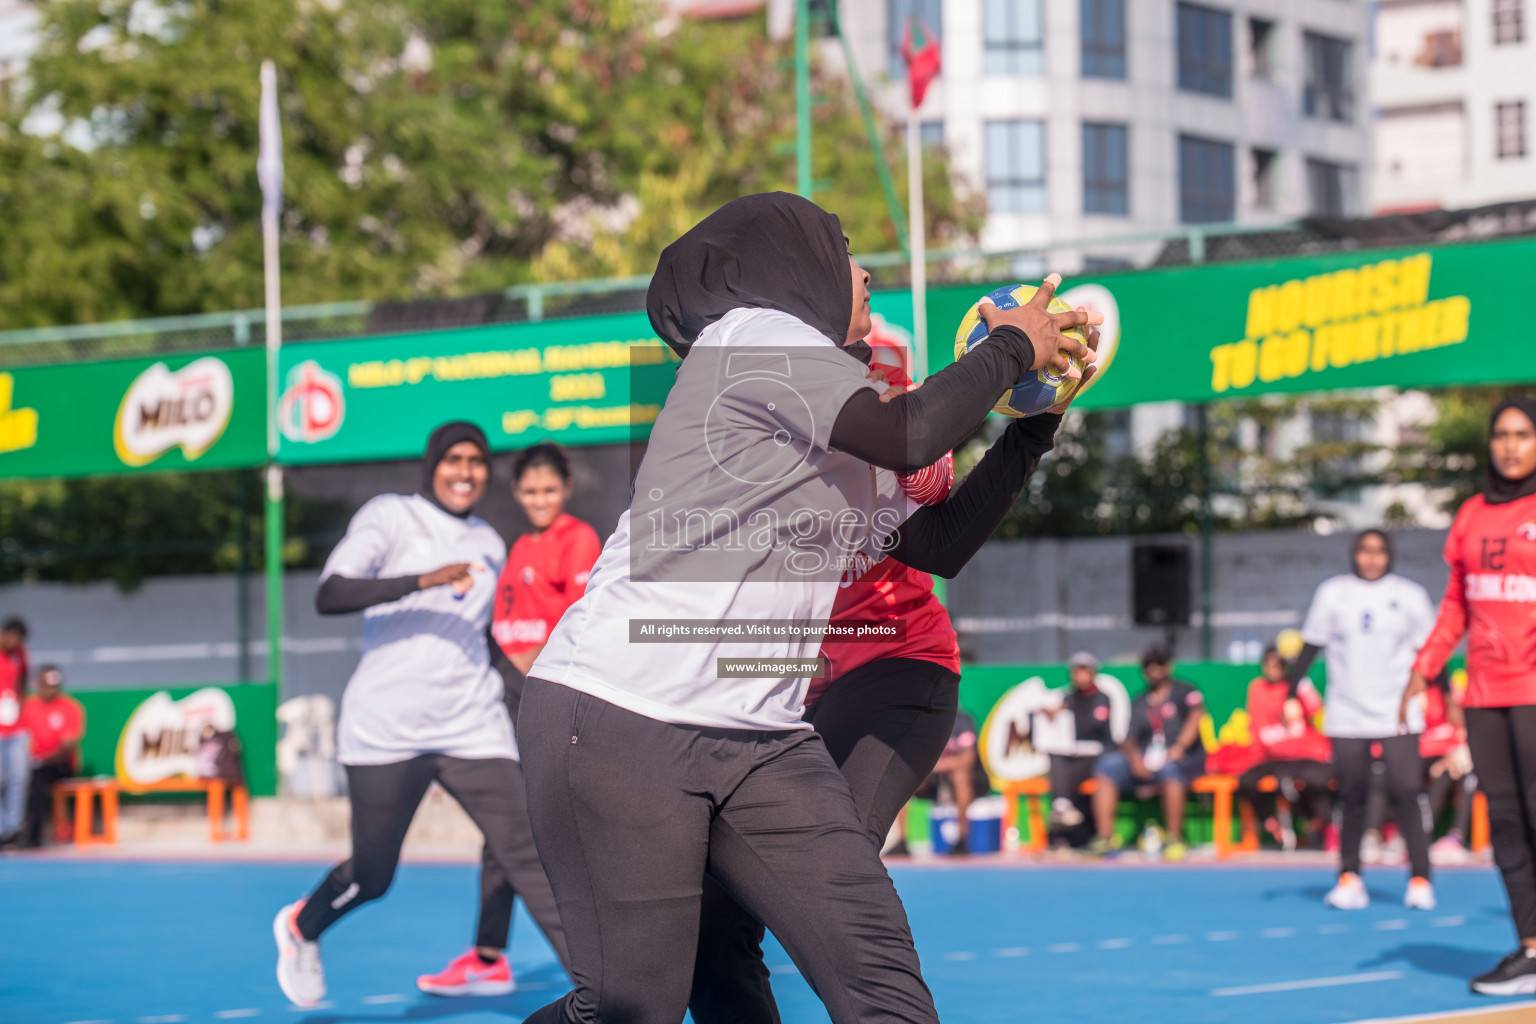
[[546, 572], [1491, 599]]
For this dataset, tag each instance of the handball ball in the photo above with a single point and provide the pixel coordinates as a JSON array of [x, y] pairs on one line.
[[1289, 644], [1040, 389]]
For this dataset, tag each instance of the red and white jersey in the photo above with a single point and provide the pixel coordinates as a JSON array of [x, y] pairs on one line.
[[1491, 599], [53, 723], [545, 574], [11, 682], [1281, 738], [888, 591]]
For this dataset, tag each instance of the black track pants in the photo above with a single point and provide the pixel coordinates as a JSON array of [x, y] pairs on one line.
[[1503, 743], [1352, 763], [629, 813]]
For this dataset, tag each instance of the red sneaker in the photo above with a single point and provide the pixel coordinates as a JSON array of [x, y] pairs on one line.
[[468, 975]]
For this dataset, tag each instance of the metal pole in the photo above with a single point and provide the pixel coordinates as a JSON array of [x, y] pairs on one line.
[[271, 172], [1207, 598], [803, 183], [871, 129], [243, 579], [917, 236]]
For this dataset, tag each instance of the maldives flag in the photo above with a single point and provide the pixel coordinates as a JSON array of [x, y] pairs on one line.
[[922, 59]]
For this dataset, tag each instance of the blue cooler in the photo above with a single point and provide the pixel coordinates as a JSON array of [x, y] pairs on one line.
[[986, 818], [943, 828]]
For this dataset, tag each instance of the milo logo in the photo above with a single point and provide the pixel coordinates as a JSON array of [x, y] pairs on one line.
[[162, 410]]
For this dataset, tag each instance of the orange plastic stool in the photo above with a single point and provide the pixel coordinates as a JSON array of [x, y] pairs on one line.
[[1034, 792], [1221, 788], [85, 793]]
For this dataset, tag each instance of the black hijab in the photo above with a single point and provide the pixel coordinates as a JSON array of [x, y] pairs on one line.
[[443, 438], [1386, 542], [773, 250], [1497, 488]]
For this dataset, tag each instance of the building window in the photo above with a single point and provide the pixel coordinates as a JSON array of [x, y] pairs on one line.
[[1508, 22], [1261, 47], [1330, 188], [1205, 50], [1329, 93], [1207, 193], [926, 14], [1509, 129], [1011, 36], [1106, 170], [1103, 28], [1264, 179], [1015, 157]]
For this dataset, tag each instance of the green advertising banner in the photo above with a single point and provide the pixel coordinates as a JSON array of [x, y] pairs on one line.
[[592, 380], [1350, 320], [177, 413]]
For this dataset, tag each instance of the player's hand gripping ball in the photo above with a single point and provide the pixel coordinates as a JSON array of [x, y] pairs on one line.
[[1040, 389]]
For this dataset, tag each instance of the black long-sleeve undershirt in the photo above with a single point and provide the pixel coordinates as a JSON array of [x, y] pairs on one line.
[[916, 429], [341, 595], [941, 539], [1300, 666]]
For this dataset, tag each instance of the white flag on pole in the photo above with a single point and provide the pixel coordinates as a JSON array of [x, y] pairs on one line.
[[269, 164]]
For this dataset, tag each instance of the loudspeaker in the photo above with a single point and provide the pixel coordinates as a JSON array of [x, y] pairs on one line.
[[1160, 585]]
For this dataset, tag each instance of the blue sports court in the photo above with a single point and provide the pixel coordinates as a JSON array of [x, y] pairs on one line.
[[171, 942]]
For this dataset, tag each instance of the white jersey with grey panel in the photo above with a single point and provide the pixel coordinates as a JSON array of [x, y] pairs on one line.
[[741, 511], [1371, 630], [425, 683]]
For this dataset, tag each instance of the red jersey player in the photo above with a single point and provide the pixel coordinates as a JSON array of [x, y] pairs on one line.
[[1491, 599], [547, 567]]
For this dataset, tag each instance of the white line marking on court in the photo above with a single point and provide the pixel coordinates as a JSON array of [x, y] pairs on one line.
[[1278, 933], [1395, 925], [1064, 947], [1009, 951], [1292, 986], [91, 1022], [1448, 922], [1169, 940], [1114, 943], [1220, 936], [963, 954], [232, 1014], [393, 997], [1332, 929], [164, 1018], [324, 1004], [784, 969]]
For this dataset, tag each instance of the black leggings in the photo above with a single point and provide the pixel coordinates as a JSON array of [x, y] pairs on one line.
[[1310, 799], [1352, 763], [630, 812], [885, 725], [384, 799], [1503, 743]]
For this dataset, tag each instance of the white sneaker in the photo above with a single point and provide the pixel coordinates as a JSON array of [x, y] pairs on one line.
[[1349, 894], [1420, 895], [1449, 850], [1370, 848], [299, 972]]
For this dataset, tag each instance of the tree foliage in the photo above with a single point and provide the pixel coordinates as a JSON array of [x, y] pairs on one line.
[[432, 149]]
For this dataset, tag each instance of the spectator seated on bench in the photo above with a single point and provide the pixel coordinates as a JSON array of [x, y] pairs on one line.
[[1290, 749], [1086, 711], [56, 723], [1162, 754]]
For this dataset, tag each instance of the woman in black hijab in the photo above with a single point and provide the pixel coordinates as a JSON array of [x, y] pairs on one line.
[[425, 704], [1491, 599], [651, 762]]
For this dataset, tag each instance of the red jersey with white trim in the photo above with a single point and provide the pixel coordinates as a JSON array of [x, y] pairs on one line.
[[1278, 738], [1491, 599], [53, 723], [11, 682], [545, 574]]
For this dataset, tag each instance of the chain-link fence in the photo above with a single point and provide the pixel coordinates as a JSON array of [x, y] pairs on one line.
[[1202, 244]]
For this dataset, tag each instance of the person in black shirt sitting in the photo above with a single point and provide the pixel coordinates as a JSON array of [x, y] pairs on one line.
[[1162, 753], [1090, 710]]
